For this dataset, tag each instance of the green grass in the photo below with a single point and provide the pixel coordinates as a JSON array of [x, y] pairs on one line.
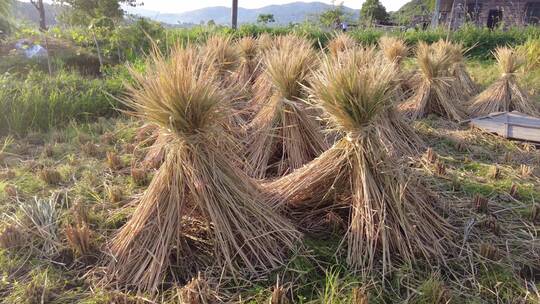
[[66, 111], [38, 102], [319, 275]]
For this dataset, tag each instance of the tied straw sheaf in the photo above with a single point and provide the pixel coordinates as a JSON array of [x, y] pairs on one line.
[[458, 69], [249, 66], [340, 43], [235, 64], [391, 216], [505, 94], [395, 50], [197, 184], [285, 134], [435, 89]]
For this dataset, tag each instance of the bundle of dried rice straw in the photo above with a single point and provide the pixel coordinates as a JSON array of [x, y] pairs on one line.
[[222, 56], [391, 216], [395, 50], [248, 68], [225, 58], [435, 89], [200, 210], [458, 70], [340, 43], [284, 133], [265, 42], [505, 94]]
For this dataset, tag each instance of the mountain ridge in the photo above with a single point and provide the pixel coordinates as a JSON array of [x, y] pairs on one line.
[[283, 13]]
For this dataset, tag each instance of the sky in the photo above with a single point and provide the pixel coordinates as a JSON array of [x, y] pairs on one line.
[[177, 6]]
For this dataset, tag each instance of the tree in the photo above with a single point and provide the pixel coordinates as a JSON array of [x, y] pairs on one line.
[[334, 16], [38, 4], [409, 13], [211, 23], [5, 16], [266, 18], [5, 9], [373, 11], [83, 12]]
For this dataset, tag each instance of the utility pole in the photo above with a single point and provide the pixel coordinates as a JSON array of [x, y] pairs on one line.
[[38, 4], [234, 14]]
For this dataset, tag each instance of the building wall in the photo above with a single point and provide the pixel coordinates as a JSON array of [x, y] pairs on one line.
[[458, 12]]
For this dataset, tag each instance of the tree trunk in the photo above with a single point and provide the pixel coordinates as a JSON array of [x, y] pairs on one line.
[[98, 51], [235, 14], [38, 4], [49, 65]]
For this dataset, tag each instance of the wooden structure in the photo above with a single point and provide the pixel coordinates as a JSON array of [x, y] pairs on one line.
[[512, 125], [490, 13]]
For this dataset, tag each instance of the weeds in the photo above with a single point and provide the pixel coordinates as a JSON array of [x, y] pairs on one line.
[[40, 102], [41, 222]]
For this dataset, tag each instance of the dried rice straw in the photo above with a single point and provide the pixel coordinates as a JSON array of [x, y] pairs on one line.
[[196, 184], [284, 132], [505, 94], [391, 215], [435, 90]]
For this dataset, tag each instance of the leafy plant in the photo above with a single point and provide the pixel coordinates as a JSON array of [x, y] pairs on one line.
[[531, 50]]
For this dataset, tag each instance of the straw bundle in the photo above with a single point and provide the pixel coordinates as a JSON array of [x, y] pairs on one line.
[[249, 60], [340, 43], [284, 132], [435, 90], [505, 94], [265, 42], [224, 58], [198, 188], [222, 55], [458, 70], [399, 137], [394, 49], [391, 215]]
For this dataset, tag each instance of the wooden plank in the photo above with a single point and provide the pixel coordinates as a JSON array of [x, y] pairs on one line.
[[524, 133], [513, 119], [506, 127], [513, 125]]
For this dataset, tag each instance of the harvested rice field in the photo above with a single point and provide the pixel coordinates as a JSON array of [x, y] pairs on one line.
[[256, 171]]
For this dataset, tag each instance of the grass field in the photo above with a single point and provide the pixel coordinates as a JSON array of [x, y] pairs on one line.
[[88, 172], [87, 180]]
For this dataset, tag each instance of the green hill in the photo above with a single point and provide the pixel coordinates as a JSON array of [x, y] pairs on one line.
[[413, 10]]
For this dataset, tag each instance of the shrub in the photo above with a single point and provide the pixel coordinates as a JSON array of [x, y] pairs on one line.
[[531, 50], [63, 54]]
